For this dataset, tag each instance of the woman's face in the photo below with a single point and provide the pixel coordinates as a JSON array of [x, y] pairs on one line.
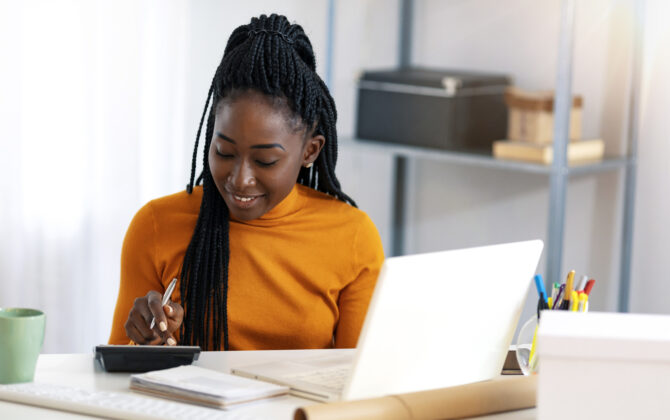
[[256, 154]]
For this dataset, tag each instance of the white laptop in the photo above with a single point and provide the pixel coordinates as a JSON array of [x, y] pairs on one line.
[[435, 320]]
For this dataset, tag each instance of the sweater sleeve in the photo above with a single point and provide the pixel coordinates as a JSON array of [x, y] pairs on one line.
[[139, 274], [355, 297]]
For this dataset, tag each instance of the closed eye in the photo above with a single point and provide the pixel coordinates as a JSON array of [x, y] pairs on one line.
[[266, 164], [225, 156]]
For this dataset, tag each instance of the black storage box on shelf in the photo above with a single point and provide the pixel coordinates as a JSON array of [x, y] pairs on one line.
[[452, 110]]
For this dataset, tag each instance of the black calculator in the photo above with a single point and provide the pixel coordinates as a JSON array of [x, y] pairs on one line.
[[128, 358]]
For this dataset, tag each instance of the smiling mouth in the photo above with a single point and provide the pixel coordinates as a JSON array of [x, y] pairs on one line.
[[244, 201]]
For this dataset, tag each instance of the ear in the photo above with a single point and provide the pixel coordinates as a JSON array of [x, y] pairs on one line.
[[311, 150]]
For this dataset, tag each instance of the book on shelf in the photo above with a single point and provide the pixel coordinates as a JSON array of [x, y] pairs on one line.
[[577, 151], [196, 385]]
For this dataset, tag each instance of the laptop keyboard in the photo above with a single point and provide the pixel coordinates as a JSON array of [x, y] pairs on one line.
[[333, 378], [114, 405]]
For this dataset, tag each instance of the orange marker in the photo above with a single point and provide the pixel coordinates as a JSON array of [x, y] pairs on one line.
[[589, 286]]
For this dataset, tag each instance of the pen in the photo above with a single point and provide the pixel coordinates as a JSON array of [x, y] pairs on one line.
[[558, 301], [554, 291], [567, 295], [166, 298]]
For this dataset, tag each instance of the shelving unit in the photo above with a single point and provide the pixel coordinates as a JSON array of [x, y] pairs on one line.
[[480, 159], [559, 172]]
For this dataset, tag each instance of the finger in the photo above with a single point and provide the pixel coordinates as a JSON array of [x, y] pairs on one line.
[[171, 340], [156, 342], [137, 322], [175, 315], [152, 340], [141, 316], [135, 335], [156, 307]]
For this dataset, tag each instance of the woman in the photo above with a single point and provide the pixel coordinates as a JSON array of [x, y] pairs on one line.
[[269, 252]]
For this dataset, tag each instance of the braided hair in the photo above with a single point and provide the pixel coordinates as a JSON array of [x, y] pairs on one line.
[[274, 57]]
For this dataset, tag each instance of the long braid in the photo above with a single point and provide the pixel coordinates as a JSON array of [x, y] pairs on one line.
[[189, 186], [272, 56]]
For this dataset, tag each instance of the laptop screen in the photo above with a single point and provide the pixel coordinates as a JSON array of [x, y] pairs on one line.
[[442, 319]]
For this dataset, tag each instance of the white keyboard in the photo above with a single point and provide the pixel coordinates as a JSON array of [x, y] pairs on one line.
[[334, 378], [114, 405]]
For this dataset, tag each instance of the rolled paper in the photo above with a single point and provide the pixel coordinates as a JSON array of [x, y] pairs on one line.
[[501, 394]]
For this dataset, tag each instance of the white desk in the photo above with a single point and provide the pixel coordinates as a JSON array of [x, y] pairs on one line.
[[80, 370]]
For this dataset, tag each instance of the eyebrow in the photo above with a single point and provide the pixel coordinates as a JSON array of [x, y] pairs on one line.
[[255, 146]]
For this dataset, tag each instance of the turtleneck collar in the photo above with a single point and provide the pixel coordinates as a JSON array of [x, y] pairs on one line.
[[290, 205]]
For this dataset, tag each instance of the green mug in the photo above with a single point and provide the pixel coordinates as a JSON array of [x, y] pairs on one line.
[[21, 337]]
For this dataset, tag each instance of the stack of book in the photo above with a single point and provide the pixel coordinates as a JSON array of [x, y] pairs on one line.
[[530, 130]]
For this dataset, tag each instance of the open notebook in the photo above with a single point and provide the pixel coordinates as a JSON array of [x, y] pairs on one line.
[[435, 320], [207, 387]]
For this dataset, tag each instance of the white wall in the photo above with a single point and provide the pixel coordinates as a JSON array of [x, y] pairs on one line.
[[651, 262], [366, 36]]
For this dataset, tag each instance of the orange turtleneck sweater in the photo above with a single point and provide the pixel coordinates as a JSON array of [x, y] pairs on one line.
[[301, 276]]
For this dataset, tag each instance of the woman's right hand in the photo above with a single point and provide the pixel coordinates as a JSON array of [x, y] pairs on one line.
[[168, 319]]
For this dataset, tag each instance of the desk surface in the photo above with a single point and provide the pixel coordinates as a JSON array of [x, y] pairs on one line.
[[80, 370]]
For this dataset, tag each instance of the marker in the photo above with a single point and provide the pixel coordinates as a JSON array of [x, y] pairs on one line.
[[549, 302], [539, 284], [583, 299], [589, 286], [574, 301], [582, 283], [541, 304], [568, 290]]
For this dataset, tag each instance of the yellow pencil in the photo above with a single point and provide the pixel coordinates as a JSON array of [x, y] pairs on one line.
[[531, 356], [574, 301]]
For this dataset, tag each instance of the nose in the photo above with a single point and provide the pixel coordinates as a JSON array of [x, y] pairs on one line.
[[242, 176]]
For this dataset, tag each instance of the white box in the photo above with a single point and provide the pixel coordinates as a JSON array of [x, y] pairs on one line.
[[603, 366]]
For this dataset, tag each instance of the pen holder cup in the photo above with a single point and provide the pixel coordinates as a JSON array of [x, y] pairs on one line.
[[526, 347]]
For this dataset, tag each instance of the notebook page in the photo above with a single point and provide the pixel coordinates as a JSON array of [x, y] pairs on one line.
[[209, 383]]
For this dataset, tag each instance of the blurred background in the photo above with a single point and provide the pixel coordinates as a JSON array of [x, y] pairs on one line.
[[100, 101]]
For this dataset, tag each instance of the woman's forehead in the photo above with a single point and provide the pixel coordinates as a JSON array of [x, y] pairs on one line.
[[272, 106], [255, 118]]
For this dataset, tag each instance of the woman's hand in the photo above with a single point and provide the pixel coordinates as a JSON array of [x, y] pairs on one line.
[[168, 319]]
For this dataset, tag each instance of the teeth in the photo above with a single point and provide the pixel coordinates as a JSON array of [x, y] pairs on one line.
[[243, 199]]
